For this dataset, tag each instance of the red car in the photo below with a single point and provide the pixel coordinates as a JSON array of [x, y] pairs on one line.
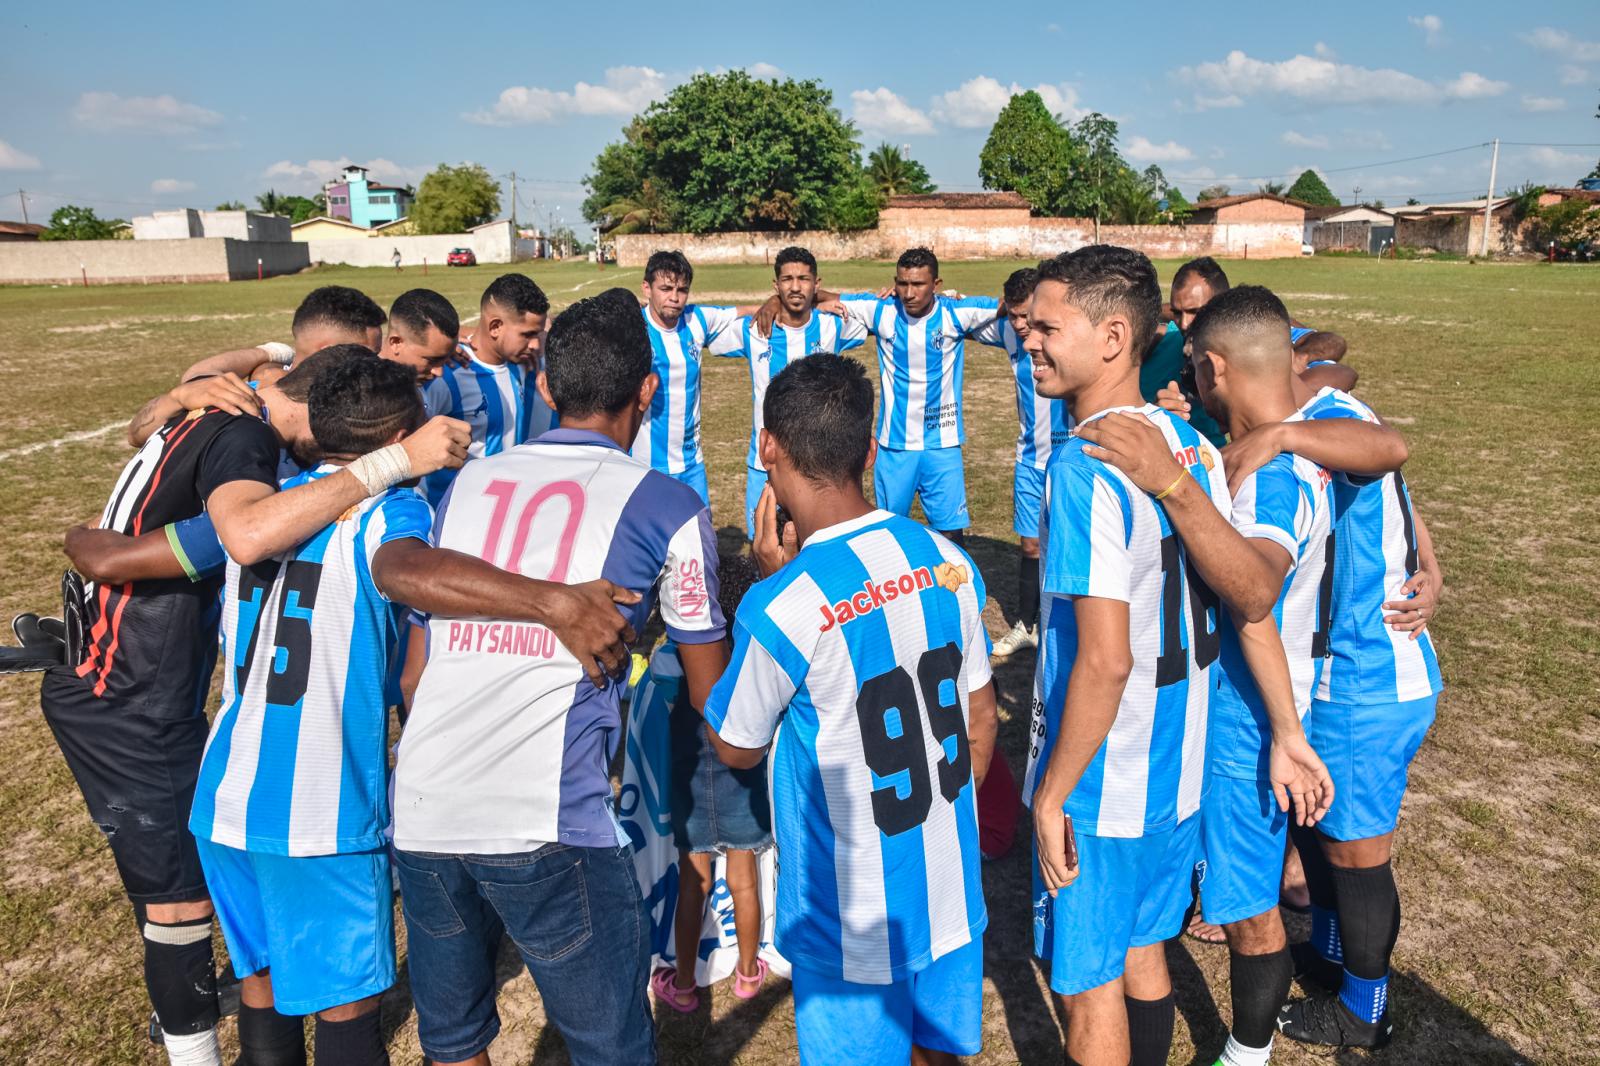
[[461, 257]]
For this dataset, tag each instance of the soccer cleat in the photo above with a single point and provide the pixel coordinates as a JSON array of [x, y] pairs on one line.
[[1311, 968], [1021, 636], [1326, 1021]]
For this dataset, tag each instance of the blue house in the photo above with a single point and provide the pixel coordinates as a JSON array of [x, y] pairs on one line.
[[365, 203]]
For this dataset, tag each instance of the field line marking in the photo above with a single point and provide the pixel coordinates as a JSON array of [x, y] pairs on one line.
[[70, 438]]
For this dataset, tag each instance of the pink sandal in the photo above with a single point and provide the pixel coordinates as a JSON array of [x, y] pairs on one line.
[[747, 987], [664, 984]]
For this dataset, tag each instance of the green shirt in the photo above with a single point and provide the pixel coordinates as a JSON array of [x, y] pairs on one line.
[[1165, 362]]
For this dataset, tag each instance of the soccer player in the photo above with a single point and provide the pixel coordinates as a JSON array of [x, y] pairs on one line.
[[291, 804], [921, 360], [797, 331], [1127, 638], [669, 440], [869, 647], [503, 797], [129, 717], [1045, 424]]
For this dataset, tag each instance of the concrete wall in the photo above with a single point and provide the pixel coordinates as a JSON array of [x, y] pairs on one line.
[[186, 223], [1263, 210], [167, 225], [1462, 234], [491, 244], [146, 262], [635, 248]]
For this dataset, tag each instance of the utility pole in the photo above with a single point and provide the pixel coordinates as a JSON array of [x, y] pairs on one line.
[[513, 177], [24, 198], [1488, 201]]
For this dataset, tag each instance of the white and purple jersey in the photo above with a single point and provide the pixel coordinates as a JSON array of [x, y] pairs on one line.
[[297, 762], [1285, 502], [1375, 553], [860, 655], [509, 744], [920, 366], [1102, 536], [500, 403], [821, 335], [669, 439], [1045, 424]]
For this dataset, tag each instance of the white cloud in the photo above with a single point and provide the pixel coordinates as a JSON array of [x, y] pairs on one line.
[[1141, 150], [16, 159], [1536, 104], [1322, 50], [1571, 75], [1563, 44], [168, 185], [1432, 27], [158, 114], [1300, 140], [764, 71], [1315, 80], [975, 103], [626, 91], [880, 110], [1561, 167], [309, 177]]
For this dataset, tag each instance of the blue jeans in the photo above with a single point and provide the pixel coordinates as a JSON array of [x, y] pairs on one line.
[[576, 917]]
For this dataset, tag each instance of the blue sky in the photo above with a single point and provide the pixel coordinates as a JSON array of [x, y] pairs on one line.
[[110, 106]]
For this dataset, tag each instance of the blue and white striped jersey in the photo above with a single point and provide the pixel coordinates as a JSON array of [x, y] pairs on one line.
[[669, 439], [1045, 423], [920, 366], [500, 403], [1287, 503], [1298, 332], [298, 758], [822, 334], [1100, 535], [509, 744], [865, 648], [1376, 553]]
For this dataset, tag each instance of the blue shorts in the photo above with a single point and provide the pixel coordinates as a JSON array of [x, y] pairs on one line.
[[324, 924], [1243, 836], [1130, 892], [715, 808], [1027, 496], [939, 1008], [695, 478], [754, 481], [1368, 749], [935, 474]]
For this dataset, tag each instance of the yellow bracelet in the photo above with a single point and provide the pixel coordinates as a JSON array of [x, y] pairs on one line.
[[1164, 493]]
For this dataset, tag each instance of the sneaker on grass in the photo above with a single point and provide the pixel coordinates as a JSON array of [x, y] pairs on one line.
[[1021, 636]]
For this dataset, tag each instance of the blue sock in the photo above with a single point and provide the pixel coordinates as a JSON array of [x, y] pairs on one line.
[[1366, 997], [1325, 933]]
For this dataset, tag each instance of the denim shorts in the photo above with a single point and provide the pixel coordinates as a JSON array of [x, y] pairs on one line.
[[715, 808]]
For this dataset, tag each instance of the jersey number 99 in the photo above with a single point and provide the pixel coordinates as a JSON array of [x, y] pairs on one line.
[[890, 718]]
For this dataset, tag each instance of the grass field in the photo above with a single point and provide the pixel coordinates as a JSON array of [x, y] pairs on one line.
[[1482, 366]]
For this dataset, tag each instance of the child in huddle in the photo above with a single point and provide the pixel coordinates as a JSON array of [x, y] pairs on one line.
[[715, 810]]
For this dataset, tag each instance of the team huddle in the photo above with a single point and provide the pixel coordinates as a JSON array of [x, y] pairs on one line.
[[1219, 566]]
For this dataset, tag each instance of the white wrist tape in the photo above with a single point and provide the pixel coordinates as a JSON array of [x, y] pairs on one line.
[[380, 470], [278, 352]]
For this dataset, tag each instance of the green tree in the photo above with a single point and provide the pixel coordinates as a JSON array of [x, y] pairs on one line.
[[645, 211], [1213, 192], [1101, 167], [230, 205], [618, 177], [453, 199], [854, 205], [1568, 224], [1178, 206], [1030, 153], [272, 203], [1309, 188], [74, 223], [894, 174]]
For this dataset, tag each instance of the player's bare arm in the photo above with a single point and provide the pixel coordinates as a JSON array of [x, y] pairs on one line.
[[229, 392], [1094, 692], [112, 558], [1322, 345], [983, 724], [1299, 778], [1349, 445], [1244, 578], [447, 583], [1418, 599], [255, 521], [1330, 376]]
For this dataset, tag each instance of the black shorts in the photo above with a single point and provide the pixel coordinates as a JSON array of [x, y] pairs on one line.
[[137, 772]]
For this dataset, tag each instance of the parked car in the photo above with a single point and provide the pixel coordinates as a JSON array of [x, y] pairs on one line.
[[1306, 249], [461, 257]]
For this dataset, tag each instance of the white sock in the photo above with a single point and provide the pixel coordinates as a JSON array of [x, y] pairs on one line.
[[1236, 1054], [193, 1049]]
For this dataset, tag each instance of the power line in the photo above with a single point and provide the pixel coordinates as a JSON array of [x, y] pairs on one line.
[[1543, 144]]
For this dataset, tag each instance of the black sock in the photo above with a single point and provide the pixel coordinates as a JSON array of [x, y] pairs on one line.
[[1260, 987], [181, 975], [1028, 591], [1369, 918], [1150, 1029], [357, 1042], [958, 537], [1319, 879], [267, 1038]]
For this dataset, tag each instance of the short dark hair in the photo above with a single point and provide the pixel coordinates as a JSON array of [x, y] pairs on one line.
[[598, 354], [819, 409], [360, 403], [1102, 279], [673, 264], [1208, 270], [915, 258], [339, 306], [517, 292], [1019, 286], [417, 309], [1249, 309], [736, 572], [299, 381], [794, 254]]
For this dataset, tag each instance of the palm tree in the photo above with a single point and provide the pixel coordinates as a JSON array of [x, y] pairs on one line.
[[273, 204], [1273, 188], [892, 173], [647, 211]]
